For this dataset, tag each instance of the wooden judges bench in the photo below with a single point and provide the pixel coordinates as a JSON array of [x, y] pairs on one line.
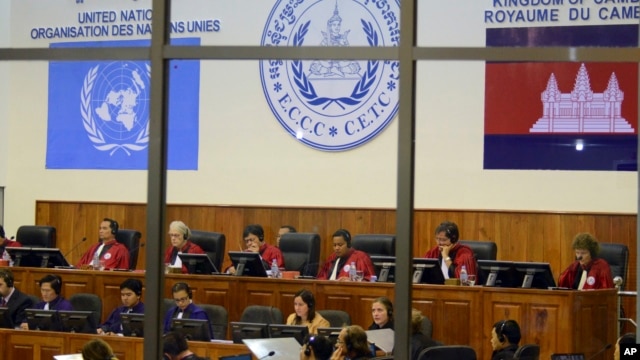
[[559, 321], [43, 345]]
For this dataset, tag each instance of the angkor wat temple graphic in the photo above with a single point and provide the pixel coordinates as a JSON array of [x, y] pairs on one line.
[[582, 110]]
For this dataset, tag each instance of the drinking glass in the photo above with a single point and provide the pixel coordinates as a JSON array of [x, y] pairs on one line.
[[471, 280], [359, 275]]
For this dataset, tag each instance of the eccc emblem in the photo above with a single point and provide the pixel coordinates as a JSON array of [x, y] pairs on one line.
[[114, 106], [332, 105]]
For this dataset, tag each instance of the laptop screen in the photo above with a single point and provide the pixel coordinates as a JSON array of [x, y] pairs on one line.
[[567, 357]]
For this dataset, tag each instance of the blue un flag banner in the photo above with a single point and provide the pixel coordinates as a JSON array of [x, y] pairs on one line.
[[629, 351], [99, 111]]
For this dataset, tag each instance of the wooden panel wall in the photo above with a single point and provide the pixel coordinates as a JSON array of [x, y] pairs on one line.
[[520, 236]]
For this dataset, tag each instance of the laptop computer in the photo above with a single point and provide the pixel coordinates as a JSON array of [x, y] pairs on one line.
[[575, 356], [286, 348]]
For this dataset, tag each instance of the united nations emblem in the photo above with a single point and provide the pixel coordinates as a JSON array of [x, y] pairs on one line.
[[332, 105], [114, 105]]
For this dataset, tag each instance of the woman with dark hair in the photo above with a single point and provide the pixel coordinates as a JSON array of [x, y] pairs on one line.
[[97, 349], [588, 271], [338, 265], [382, 313], [304, 305]]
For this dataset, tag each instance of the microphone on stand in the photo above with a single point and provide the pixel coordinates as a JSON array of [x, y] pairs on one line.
[[270, 354], [605, 348], [74, 247]]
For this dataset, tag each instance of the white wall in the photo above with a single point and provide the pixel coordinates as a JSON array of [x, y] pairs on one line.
[[247, 158]]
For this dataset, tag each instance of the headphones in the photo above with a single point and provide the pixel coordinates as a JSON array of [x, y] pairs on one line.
[[7, 276], [182, 286], [501, 332], [307, 349], [113, 225], [346, 235], [347, 340], [187, 233]]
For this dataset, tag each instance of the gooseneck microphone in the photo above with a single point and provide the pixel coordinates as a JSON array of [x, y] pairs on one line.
[[270, 354], [75, 247], [605, 348]]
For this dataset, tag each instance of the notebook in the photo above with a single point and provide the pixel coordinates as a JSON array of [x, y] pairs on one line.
[[575, 356]]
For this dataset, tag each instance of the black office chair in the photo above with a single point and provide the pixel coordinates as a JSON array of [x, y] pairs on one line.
[[130, 239], [213, 243], [87, 302], [219, 318], [483, 250], [448, 352], [336, 318], [37, 236], [527, 352], [617, 255], [262, 314], [34, 301], [375, 244], [167, 304], [301, 252]]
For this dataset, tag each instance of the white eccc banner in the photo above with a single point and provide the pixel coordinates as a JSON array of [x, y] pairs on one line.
[[258, 120]]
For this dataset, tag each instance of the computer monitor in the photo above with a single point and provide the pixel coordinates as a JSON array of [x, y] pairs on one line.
[[574, 356], [330, 333], [535, 275], [5, 318], [247, 263], [49, 257], [132, 324], [77, 321], [427, 271], [248, 330], [497, 273], [295, 331], [385, 267], [21, 256], [192, 329], [198, 264], [46, 320], [236, 357]]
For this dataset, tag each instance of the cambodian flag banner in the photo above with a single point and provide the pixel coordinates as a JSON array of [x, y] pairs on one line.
[[561, 116], [99, 111]]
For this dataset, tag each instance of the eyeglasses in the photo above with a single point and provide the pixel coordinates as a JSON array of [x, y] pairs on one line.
[[183, 299], [248, 240], [174, 235], [442, 239]]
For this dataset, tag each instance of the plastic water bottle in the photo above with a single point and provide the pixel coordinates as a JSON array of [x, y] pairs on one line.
[[275, 271], [464, 277], [96, 261], [7, 257], [353, 272]]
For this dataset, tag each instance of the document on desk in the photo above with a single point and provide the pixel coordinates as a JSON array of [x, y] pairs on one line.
[[68, 357], [382, 338]]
